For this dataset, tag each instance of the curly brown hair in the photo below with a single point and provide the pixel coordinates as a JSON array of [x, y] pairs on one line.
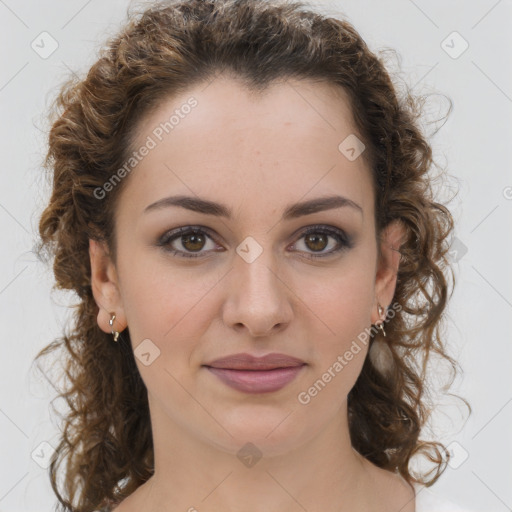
[[106, 439]]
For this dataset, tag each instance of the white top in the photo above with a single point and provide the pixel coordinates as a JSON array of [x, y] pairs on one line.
[[428, 500]]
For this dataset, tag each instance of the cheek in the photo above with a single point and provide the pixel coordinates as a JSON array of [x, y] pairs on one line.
[[343, 298], [338, 320], [163, 303]]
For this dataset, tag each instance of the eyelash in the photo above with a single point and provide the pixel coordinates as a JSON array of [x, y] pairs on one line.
[[344, 241]]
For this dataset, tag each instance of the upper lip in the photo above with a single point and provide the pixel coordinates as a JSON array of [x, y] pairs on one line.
[[249, 362]]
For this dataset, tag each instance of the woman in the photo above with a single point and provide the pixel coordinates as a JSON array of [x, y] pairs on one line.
[[242, 203]]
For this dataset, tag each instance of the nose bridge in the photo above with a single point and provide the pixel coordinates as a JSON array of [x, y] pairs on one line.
[[256, 270], [258, 296]]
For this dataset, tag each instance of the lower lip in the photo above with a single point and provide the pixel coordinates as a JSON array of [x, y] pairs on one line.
[[257, 381]]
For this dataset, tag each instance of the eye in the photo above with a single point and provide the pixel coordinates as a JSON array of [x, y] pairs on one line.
[[192, 240], [316, 238], [189, 241]]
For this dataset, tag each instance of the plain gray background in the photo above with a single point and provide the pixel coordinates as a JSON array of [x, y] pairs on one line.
[[474, 144]]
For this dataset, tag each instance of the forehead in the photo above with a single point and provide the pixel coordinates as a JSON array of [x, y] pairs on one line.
[[223, 142]]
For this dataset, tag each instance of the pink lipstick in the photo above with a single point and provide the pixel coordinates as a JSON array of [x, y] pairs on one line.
[[251, 374]]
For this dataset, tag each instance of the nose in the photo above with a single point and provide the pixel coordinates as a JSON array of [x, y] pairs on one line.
[[258, 298]]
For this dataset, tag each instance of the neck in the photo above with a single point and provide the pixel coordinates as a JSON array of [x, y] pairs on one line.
[[322, 473]]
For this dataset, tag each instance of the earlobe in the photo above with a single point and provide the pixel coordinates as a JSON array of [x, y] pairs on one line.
[[105, 288], [393, 236]]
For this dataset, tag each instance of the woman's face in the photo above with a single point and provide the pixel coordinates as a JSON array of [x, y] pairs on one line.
[[251, 280]]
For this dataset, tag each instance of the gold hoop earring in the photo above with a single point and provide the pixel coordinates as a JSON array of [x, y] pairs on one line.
[[115, 334], [380, 325]]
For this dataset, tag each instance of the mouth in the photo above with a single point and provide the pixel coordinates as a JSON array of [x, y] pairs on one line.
[[251, 374]]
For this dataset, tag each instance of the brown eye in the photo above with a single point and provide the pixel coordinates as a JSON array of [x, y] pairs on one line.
[[193, 242], [187, 242], [317, 240]]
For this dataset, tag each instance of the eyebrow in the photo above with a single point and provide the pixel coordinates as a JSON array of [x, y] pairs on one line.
[[293, 211]]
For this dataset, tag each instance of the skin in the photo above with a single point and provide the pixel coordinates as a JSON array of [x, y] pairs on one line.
[[255, 154]]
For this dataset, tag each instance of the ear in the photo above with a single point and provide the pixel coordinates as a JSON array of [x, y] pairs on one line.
[[105, 288], [393, 236]]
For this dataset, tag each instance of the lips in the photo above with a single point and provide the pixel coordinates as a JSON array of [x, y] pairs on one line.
[[249, 362], [251, 374]]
